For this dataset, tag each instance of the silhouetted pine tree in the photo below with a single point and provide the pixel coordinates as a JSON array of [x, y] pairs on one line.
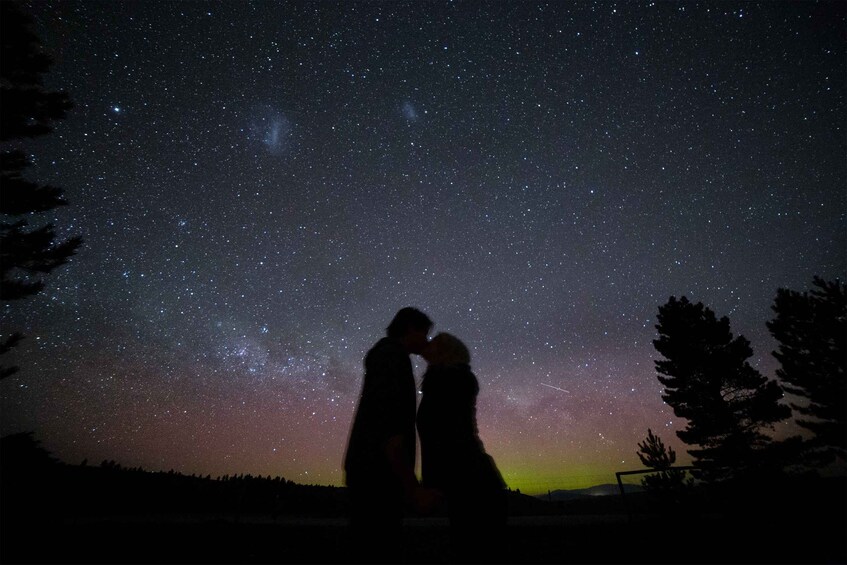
[[709, 382], [655, 455], [27, 110], [811, 328]]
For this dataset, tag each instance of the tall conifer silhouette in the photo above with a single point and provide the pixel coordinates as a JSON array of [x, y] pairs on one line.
[[27, 110], [708, 381], [811, 328]]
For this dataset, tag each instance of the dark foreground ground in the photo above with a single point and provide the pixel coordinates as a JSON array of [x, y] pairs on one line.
[[542, 539], [801, 521]]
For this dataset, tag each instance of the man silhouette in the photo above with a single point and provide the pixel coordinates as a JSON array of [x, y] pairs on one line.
[[379, 463]]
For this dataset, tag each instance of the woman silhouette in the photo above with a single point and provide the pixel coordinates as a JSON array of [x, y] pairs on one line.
[[453, 458]]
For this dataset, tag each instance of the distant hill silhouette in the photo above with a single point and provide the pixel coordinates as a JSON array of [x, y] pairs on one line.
[[597, 490]]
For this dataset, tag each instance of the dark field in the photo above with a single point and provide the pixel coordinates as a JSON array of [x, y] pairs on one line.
[[81, 514], [607, 538]]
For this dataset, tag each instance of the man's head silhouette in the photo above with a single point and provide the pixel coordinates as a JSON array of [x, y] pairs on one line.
[[411, 327]]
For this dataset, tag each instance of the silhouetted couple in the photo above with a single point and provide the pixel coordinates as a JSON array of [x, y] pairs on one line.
[[379, 463]]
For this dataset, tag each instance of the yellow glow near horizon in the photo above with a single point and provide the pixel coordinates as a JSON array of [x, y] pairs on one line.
[[530, 481]]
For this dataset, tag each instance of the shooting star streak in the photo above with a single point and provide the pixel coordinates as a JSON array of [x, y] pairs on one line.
[[557, 388]]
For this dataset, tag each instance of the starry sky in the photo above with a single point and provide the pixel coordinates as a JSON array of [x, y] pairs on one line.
[[262, 185]]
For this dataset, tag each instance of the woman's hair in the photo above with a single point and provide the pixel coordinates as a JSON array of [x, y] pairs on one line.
[[447, 349]]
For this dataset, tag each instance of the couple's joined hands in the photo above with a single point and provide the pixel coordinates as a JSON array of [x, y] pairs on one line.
[[426, 500]]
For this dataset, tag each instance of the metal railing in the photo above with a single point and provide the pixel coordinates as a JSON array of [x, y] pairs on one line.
[[620, 474]]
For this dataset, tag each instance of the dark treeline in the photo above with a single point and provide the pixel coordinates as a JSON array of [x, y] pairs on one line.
[[36, 487], [33, 482]]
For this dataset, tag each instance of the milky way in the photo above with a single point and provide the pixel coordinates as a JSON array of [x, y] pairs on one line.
[[260, 186]]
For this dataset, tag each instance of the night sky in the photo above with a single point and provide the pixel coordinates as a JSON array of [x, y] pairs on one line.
[[261, 186]]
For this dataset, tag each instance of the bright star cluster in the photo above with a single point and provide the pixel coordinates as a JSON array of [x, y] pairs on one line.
[[262, 185]]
